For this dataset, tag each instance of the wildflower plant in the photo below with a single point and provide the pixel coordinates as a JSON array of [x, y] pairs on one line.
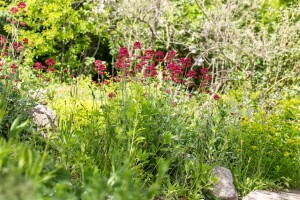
[[17, 80]]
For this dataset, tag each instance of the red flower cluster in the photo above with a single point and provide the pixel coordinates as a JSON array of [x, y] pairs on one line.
[[39, 65], [123, 53], [185, 62], [175, 72], [192, 73], [14, 10], [3, 40], [111, 94], [123, 61], [150, 71], [13, 66], [25, 41], [51, 69], [159, 56], [16, 45], [21, 5], [137, 45], [100, 67], [116, 78], [22, 24], [216, 97], [204, 70], [171, 56], [50, 62]]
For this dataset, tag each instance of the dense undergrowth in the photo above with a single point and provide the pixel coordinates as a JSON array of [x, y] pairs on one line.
[[147, 146], [152, 127]]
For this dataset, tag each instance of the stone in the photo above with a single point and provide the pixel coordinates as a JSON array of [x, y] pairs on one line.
[[224, 189], [266, 195], [44, 117]]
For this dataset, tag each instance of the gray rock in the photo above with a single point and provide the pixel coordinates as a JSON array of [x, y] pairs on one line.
[[44, 117], [266, 195], [224, 189]]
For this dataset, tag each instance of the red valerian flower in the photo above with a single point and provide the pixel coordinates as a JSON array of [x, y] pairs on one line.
[[111, 94], [14, 10], [16, 45], [149, 52], [13, 66], [171, 56], [123, 53], [207, 77], [13, 71], [106, 82], [168, 91], [137, 45], [22, 24], [50, 62], [192, 74], [2, 40], [19, 49], [175, 72], [185, 62], [100, 67], [138, 67], [216, 97], [73, 75], [159, 56], [38, 65], [117, 78], [21, 5], [202, 84], [204, 70], [51, 69], [25, 41], [150, 71]]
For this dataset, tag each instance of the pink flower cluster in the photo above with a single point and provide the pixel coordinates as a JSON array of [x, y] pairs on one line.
[[49, 62], [21, 5], [3, 40], [137, 45], [100, 67], [146, 62]]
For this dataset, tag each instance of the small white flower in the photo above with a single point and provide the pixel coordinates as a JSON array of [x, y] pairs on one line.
[[199, 61]]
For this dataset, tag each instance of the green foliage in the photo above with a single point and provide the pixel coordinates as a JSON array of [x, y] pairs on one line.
[[263, 141], [66, 29], [146, 137], [29, 174], [113, 128], [277, 141]]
